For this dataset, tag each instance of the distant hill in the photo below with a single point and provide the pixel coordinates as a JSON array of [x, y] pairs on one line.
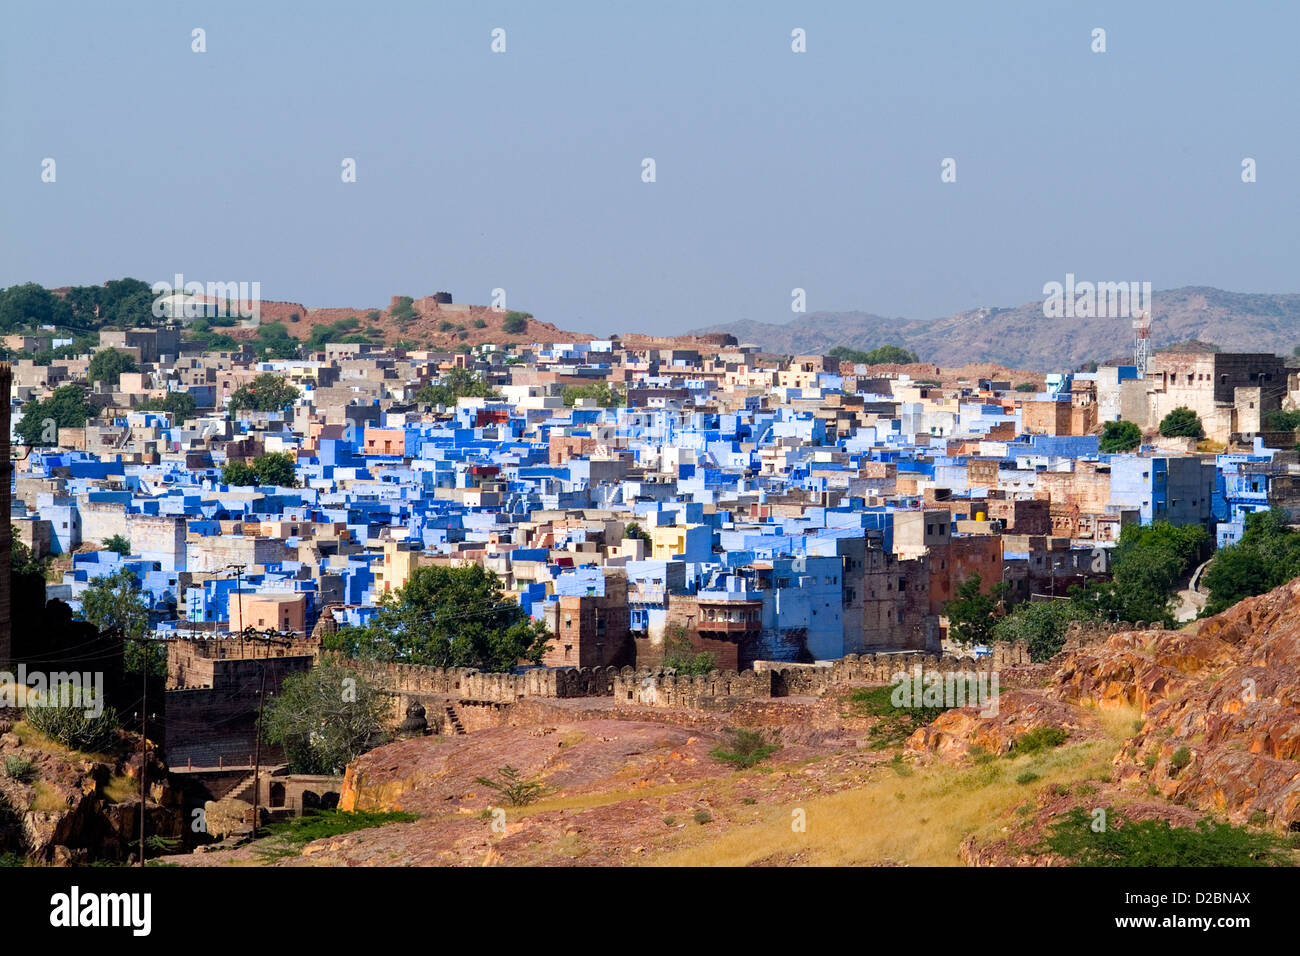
[[1022, 338]]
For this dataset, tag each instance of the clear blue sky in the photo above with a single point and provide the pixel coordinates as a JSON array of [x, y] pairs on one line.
[[522, 170]]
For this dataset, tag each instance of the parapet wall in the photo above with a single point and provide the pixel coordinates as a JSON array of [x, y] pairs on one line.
[[468, 684], [662, 689], [658, 688]]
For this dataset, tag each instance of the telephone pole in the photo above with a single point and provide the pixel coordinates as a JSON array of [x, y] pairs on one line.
[[145, 660], [268, 637]]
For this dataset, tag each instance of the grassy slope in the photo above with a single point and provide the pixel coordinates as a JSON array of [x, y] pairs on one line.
[[914, 820]]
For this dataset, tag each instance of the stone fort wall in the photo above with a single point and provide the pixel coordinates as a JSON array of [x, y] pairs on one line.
[[658, 688]]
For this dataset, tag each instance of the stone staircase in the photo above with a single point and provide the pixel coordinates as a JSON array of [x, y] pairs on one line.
[[453, 720]]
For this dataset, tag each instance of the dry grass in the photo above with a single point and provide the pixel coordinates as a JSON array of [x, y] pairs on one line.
[[44, 797], [29, 736], [121, 788], [589, 801], [918, 820]]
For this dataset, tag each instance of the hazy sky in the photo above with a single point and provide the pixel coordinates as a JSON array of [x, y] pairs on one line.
[[523, 170]]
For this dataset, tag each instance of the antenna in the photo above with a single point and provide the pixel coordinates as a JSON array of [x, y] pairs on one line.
[[1141, 341]]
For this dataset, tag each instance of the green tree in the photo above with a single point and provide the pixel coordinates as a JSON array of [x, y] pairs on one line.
[[274, 341], [1119, 436], [634, 530], [883, 355], [1266, 557], [275, 468], [605, 396], [266, 393], [1147, 565], [21, 559], [1182, 422], [108, 365], [516, 323], [325, 718], [1041, 625], [1280, 421], [455, 383], [448, 617], [181, 405], [118, 544], [29, 306], [971, 614], [65, 408], [680, 655], [116, 601]]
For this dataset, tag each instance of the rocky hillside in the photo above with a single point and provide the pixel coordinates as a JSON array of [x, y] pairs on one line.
[[439, 325], [1216, 732], [63, 806], [1021, 337]]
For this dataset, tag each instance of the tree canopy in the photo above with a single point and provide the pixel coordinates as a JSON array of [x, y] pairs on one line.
[[1266, 557], [882, 355], [275, 468], [605, 396], [516, 323], [116, 601], [266, 393], [324, 718], [123, 303], [42, 418], [1119, 436], [108, 365], [448, 617], [1182, 422], [455, 383], [181, 405], [971, 612]]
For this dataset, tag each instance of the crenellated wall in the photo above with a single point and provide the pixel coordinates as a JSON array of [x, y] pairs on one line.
[[657, 688]]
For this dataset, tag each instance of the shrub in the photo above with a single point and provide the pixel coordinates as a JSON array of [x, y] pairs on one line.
[[19, 768], [1027, 777], [746, 749], [1119, 436], [1180, 759], [513, 787], [320, 824], [1040, 738], [703, 816], [67, 722], [516, 323], [403, 310], [893, 725], [480, 324], [1156, 843], [1182, 422]]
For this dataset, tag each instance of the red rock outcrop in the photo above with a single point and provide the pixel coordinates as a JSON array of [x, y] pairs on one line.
[[1221, 704]]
